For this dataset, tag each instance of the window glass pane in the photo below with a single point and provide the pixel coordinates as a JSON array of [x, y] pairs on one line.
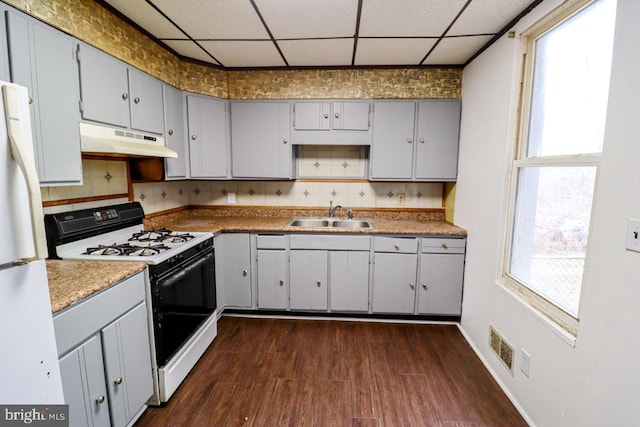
[[551, 224], [571, 71]]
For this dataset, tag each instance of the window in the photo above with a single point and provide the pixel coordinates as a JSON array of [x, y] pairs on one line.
[[567, 61]]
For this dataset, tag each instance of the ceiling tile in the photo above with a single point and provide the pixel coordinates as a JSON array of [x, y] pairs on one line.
[[416, 18], [148, 18], [215, 19], [317, 52], [392, 51], [456, 50], [245, 53], [309, 19], [189, 49], [476, 20]]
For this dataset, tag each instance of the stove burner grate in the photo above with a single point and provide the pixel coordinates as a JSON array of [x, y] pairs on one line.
[[126, 249], [160, 235]]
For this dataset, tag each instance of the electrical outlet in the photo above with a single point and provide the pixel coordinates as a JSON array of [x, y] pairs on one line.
[[525, 362], [231, 197], [633, 235], [401, 199]]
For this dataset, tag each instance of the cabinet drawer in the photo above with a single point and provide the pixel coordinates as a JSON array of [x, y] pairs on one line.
[[404, 245], [443, 245], [77, 323], [268, 241], [319, 241]]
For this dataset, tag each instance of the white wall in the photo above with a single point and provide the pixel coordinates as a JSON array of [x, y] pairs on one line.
[[597, 382]]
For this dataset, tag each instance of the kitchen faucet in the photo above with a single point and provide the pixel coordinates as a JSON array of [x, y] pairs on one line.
[[332, 209]]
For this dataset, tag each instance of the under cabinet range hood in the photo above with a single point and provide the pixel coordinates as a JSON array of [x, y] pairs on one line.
[[105, 140]]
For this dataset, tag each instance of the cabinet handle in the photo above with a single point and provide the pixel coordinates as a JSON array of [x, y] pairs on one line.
[[170, 132], [30, 100], [281, 282], [412, 286], [409, 140], [318, 283], [244, 272], [424, 286], [444, 245], [194, 137], [118, 381], [284, 141], [397, 246], [125, 96], [326, 116], [136, 100], [421, 140], [99, 400], [337, 116]]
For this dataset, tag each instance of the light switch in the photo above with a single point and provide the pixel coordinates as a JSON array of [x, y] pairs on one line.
[[633, 235]]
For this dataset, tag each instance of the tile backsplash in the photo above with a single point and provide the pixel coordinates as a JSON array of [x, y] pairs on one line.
[[160, 196]]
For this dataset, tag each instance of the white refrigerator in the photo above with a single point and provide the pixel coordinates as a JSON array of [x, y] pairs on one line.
[[29, 370]]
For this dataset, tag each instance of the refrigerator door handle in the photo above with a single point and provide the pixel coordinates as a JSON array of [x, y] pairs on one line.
[[21, 154]]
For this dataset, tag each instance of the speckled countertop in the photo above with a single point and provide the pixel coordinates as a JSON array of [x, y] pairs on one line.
[[72, 281]]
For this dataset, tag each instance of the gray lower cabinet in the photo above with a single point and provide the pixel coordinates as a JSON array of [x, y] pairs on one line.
[[273, 290], [233, 270], [105, 354], [44, 60], [394, 274], [260, 143], [309, 280], [349, 281], [415, 140], [207, 122], [175, 132]]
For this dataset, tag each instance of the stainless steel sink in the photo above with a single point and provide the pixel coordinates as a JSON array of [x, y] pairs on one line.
[[330, 223]]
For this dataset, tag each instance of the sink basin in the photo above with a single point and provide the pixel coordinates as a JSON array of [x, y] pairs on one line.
[[330, 223]]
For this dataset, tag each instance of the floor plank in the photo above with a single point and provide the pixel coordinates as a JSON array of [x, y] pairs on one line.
[[298, 373]]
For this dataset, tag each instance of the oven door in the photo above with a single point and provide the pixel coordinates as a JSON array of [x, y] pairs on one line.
[[183, 298]]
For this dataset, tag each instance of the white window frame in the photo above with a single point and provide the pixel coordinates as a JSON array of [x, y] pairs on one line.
[[556, 18]]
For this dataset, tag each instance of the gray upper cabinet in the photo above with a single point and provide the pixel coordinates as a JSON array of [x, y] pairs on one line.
[[4, 58], [207, 122], [260, 140], [116, 94], [339, 123], [44, 60], [175, 133], [415, 140]]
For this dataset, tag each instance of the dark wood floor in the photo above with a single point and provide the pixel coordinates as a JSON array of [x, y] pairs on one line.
[[269, 372]]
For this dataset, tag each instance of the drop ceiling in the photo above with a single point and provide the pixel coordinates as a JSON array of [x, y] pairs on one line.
[[324, 33]]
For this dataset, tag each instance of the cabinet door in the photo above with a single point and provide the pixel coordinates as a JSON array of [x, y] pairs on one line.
[[312, 116], [146, 102], [174, 133], [260, 140], [392, 146], [394, 283], [349, 280], [84, 387], [127, 357], [437, 144], [308, 280], [4, 59], [272, 279], [43, 60], [440, 290], [207, 122], [233, 269], [350, 116], [104, 88]]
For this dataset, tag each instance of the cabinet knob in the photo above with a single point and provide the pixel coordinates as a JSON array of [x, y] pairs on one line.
[[397, 246], [421, 140], [194, 137], [99, 400], [118, 381], [337, 116], [281, 282], [170, 132], [444, 245], [136, 100], [30, 100], [409, 140], [284, 141], [412, 286], [125, 96], [326, 116], [244, 272], [424, 286], [318, 283]]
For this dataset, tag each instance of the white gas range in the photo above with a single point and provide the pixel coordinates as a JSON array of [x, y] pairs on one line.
[[181, 293]]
